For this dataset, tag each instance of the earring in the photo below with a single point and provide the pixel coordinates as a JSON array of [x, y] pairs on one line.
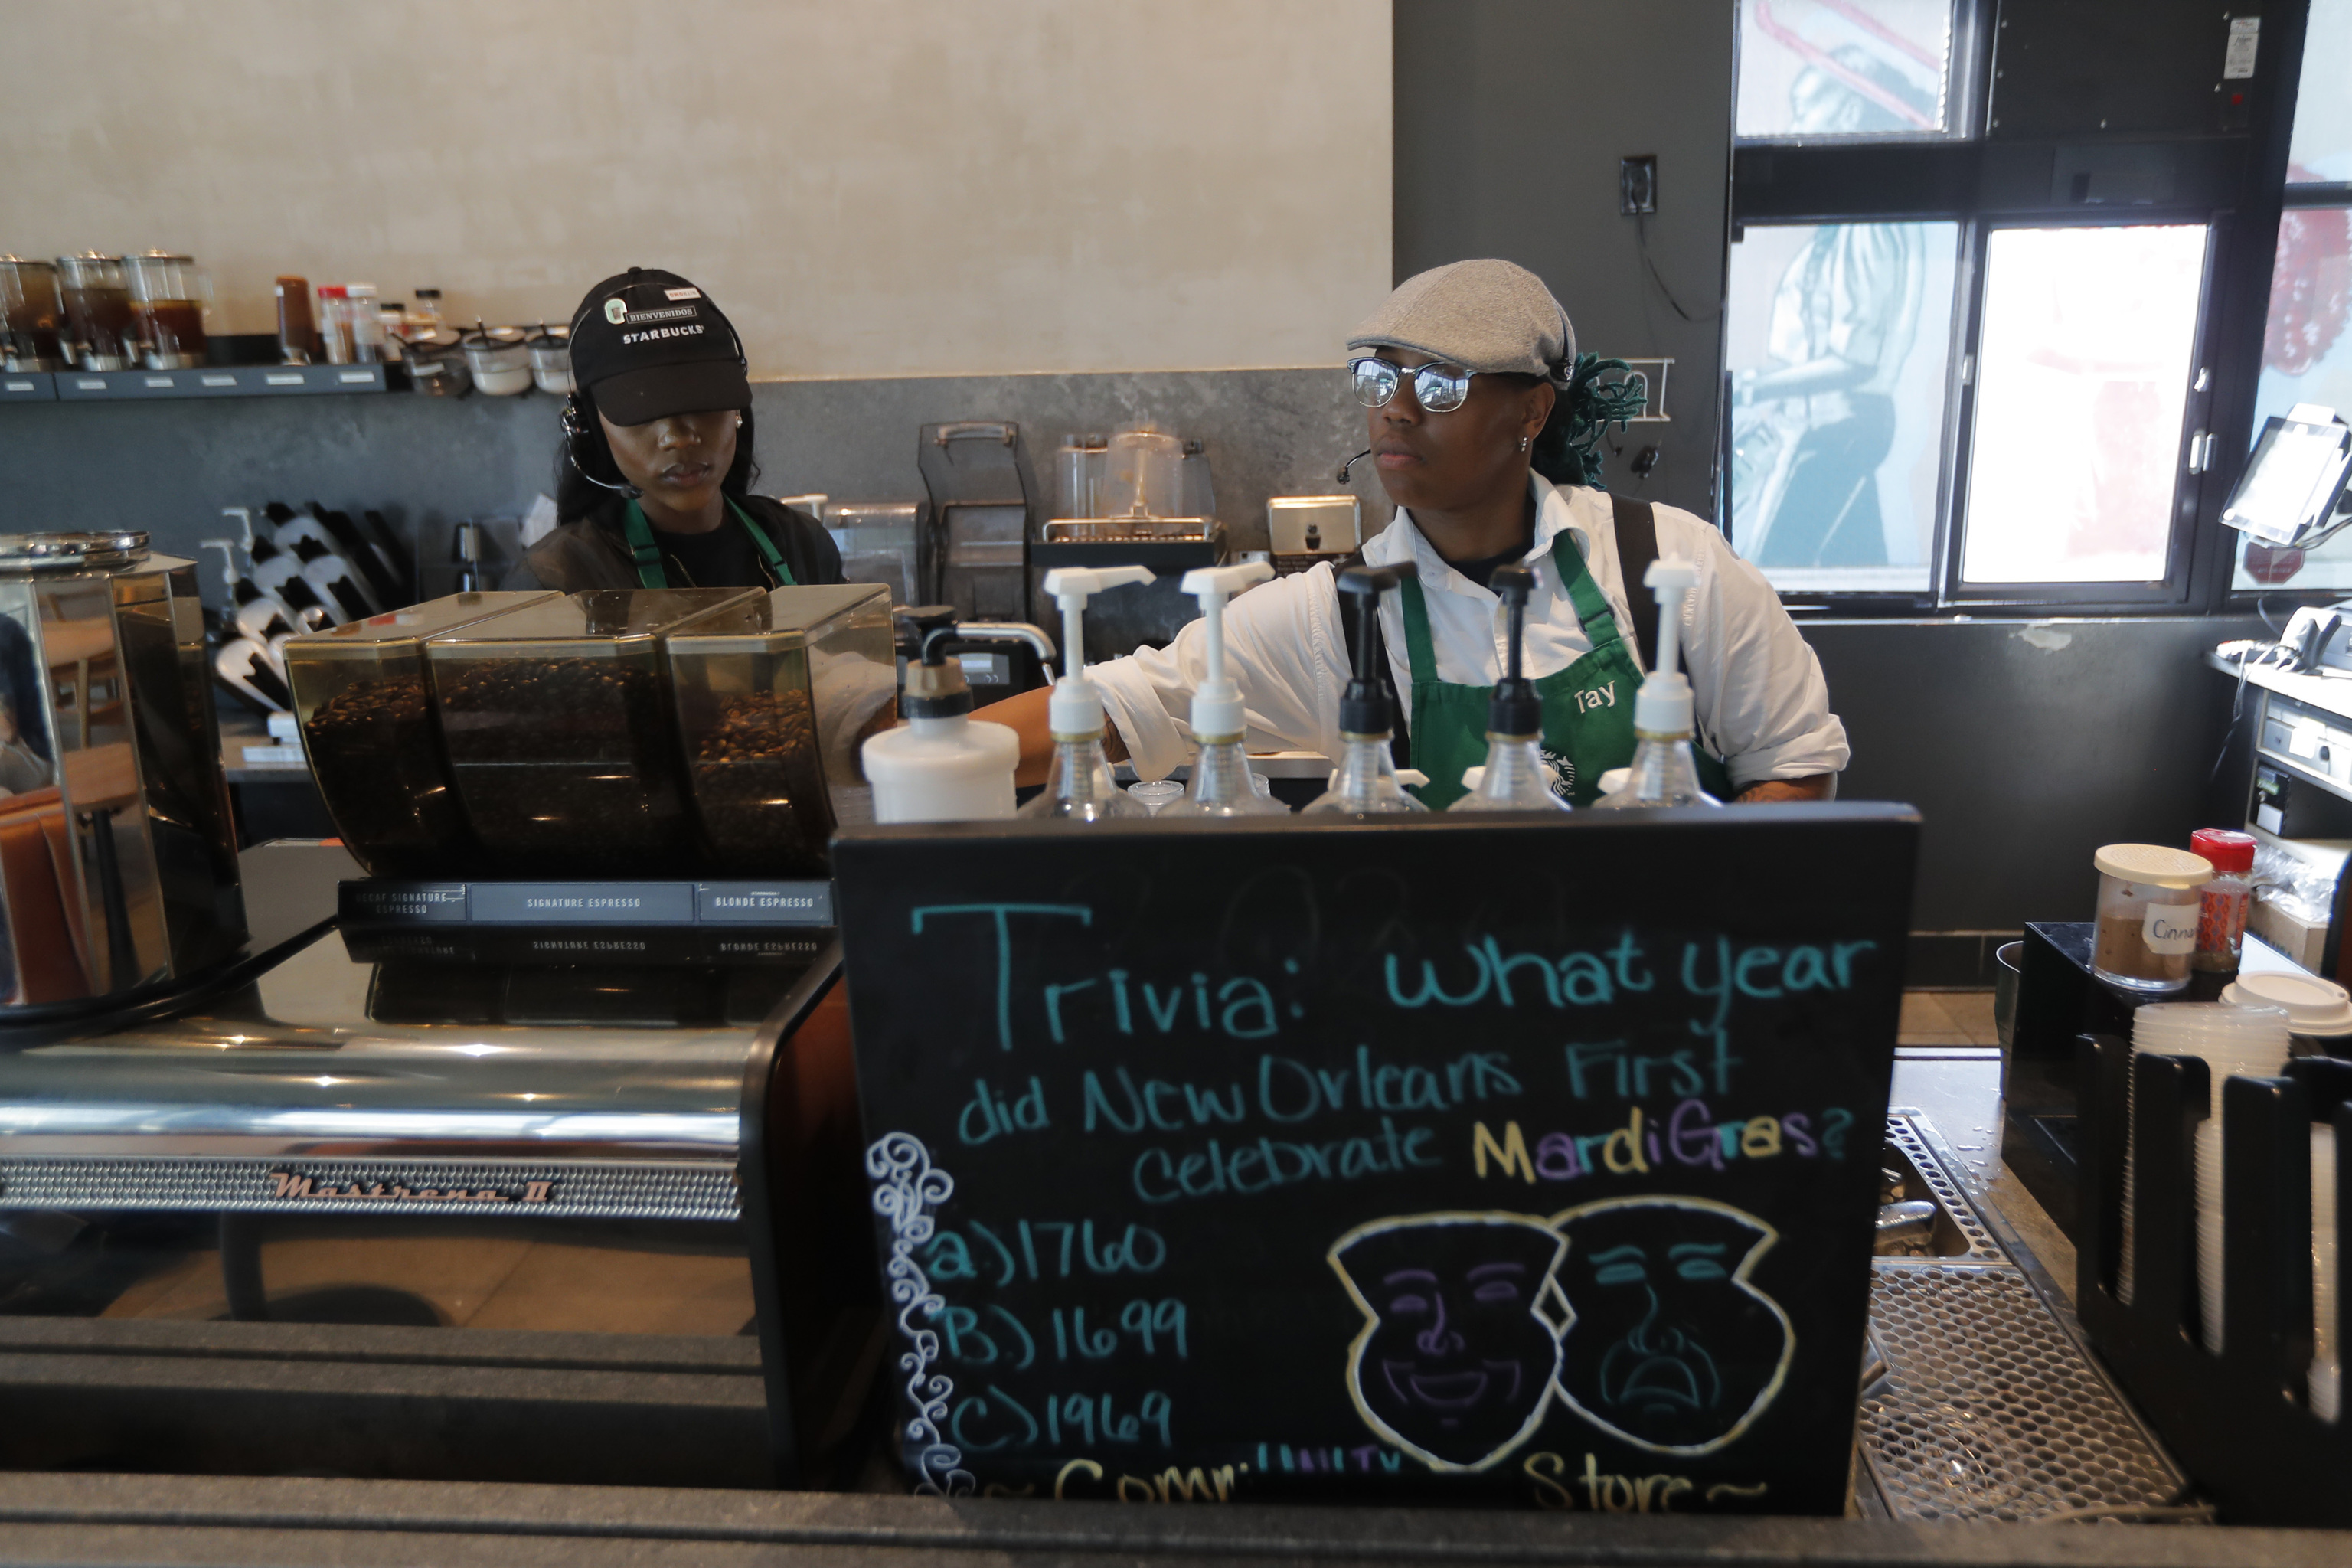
[[1523, 443], [739, 425]]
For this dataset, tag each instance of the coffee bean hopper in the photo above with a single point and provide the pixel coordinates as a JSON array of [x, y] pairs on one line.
[[368, 729], [554, 719], [774, 696], [117, 859]]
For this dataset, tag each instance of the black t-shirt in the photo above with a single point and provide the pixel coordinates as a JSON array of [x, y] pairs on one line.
[[1480, 570], [723, 557]]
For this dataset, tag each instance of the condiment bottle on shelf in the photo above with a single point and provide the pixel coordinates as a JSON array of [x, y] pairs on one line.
[[1516, 777], [1079, 787], [942, 765], [335, 322], [1662, 771], [1221, 784], [1366, 783], [2223, 904]]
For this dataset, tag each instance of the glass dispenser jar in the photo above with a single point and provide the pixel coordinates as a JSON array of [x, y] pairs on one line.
[[98, 331], [775, 698], [33, 312], [168, 294], [558, 735], [365, 711]]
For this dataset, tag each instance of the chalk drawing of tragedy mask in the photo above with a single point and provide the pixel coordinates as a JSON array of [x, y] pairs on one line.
[[1669, 1346], [1456, 1356]]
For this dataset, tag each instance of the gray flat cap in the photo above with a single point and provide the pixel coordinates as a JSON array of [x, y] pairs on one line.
[[1485, 315]]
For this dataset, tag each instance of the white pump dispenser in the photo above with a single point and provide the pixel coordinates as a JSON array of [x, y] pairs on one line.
[[1221, 784], [1663, 773], [942, 765], [1080, 787]]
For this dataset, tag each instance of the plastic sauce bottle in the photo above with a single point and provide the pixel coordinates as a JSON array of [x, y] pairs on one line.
[[1366, 783], [942, 765], [1080, 788], [1221, 784], [1515, 777], [1663, 773], [2222, 909]]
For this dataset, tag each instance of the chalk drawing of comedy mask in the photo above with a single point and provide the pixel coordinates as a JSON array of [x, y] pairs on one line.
[[1669, 1346], [1457, 1355]]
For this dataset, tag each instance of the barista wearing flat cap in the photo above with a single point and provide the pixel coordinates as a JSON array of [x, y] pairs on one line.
[[1482, 430], [653, 479]]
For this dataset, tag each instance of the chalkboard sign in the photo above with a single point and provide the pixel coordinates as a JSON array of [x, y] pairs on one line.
[[1452, 1162]]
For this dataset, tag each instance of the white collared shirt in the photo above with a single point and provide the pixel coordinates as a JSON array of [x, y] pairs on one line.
[[1758, 689]]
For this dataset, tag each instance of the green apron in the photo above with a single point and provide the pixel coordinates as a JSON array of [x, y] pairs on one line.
[[651, 574], [1587, 708]]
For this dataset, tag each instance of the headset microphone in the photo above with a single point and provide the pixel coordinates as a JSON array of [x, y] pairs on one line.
[[1352, 462], [571, 433]]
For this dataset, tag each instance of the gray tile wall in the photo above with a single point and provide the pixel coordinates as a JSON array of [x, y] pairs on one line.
[[170, 466]]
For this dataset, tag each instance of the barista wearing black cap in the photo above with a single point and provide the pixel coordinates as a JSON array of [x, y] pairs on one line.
[[653, 479]]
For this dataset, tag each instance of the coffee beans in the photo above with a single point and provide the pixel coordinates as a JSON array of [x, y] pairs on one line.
[[757, 785], [379, 768], [563, 765]]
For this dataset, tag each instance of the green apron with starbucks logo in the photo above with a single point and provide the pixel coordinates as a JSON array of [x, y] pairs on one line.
[[1587, 708]]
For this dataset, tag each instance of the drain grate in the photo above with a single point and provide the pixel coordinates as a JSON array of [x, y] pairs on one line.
[[1902, 1133], [1989, 1409]]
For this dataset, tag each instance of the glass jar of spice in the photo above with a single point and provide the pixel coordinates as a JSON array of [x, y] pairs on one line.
[[2221, 920], [2149, 898]]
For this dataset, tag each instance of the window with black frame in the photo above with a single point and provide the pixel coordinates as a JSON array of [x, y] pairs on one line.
[[2306, 351], [1937, 399]]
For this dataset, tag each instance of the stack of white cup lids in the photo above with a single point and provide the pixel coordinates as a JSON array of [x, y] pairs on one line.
[[2317, 1010], [2312, 1006], [2234, 1041], [2327, 1357]]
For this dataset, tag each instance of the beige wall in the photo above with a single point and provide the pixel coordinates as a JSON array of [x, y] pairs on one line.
[[868, 187]]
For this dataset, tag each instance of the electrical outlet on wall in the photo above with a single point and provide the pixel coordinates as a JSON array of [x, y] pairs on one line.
[[1637, 184]]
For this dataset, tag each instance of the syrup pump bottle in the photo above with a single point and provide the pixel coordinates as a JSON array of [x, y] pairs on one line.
[[942, 765], [1663, 773], [1221, 784], [1079, 788], [1515, 777], [1366, 783]]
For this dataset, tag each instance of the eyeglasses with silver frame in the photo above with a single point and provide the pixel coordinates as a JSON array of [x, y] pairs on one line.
[[1438, 388]]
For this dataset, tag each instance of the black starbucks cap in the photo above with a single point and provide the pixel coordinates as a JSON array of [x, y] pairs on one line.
[[647, 343]]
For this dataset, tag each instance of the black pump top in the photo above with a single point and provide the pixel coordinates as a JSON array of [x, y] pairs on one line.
[[935, 685], [1515, 709], [924, 631], [1364, 707]]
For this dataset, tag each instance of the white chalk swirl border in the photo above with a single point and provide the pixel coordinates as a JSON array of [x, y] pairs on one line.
[[906, 1188]]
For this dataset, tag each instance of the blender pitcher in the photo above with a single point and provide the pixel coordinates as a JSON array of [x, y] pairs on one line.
[[168, 295]]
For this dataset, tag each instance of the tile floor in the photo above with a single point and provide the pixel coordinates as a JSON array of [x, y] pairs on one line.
[[1948, 1018]]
